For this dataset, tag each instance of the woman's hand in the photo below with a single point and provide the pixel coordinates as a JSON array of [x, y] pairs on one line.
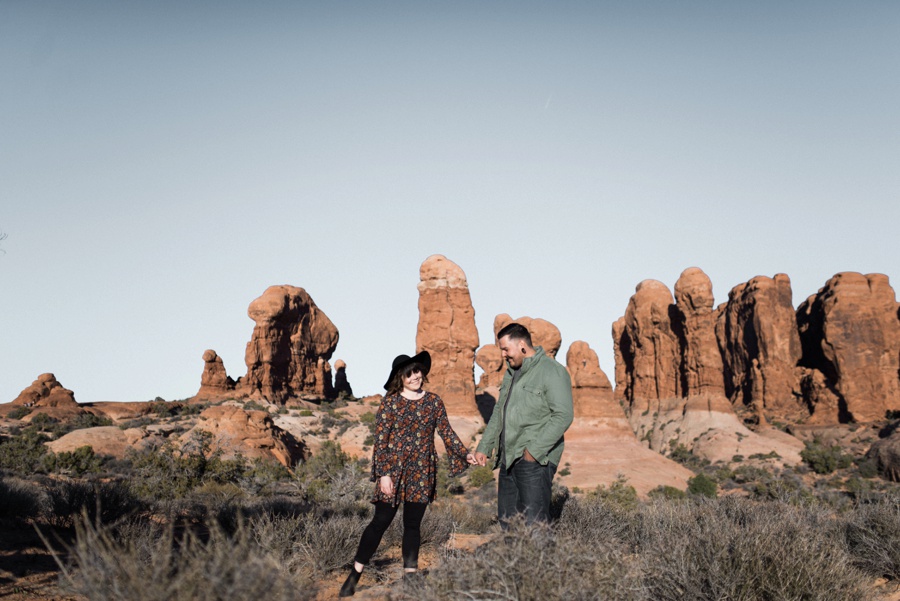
[[386, 485], [470, 458]]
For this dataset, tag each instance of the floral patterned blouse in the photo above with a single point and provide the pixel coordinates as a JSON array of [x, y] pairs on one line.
[[404, 447]]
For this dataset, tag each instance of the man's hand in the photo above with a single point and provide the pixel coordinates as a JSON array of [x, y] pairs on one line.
[[481, 459], [386, 485], [528, 457]]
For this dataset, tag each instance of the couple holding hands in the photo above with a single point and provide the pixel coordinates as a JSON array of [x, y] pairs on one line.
[[524, 438]]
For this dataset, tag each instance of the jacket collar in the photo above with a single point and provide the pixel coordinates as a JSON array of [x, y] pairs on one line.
[[528, 362]]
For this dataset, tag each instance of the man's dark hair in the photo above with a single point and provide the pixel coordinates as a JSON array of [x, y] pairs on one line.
[[516, 331]]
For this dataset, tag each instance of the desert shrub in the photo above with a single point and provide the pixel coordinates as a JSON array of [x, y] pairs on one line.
[[24, 453], [786, 487], [19, 412], [331, 477], [103, 501], [746, 550], [532, 563], [153, 564], [619, 492], [20, 499], [470, 517], [479, 476], [599, 518], [873, 537], [86, 420], [702, 485], [78, 462], [667, 492], [824, 459], [167, 472]]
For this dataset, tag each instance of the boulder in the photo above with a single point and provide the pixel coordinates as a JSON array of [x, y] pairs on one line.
[[850, 334], [886, 453], [107, 440], [447, 331]]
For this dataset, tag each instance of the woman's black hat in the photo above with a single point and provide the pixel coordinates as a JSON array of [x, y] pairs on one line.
[[401, 361]]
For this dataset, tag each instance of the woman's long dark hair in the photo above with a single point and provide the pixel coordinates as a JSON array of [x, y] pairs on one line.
[[396, 384]]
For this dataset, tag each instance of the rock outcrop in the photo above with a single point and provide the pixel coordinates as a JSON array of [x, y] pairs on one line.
[[341, 384], [592, 392], [648, 347], [490, 360], [253, 434], [757, 333], [701, 369], [46, 391], [543, 333], [850, 334], [447, 331], [671, 366], [287, 356], [215, 383]]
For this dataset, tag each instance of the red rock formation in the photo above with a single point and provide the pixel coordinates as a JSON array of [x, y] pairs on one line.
[[757, 333], [341, 384], [447, 331], [622, 373], [490, 360], [46, 392], [591, 390], [886, 453], [250, 433], [291, 343], [701, 365], [648, 347], [215, 382], [543, 333], [851, 334]]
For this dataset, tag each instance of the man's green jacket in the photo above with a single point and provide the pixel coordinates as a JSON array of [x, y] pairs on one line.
[[538, 412]]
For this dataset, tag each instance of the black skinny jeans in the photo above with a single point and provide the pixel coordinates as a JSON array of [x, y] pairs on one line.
[[384, 515]]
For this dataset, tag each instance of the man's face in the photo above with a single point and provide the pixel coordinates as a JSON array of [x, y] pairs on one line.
[[513, 351]]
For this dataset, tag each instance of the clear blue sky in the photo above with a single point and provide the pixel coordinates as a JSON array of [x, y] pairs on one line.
[[162, 163]]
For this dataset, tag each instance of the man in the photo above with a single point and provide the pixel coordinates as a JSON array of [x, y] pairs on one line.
[[525, 432]]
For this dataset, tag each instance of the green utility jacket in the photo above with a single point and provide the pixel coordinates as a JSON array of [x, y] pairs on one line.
[[539, 411]]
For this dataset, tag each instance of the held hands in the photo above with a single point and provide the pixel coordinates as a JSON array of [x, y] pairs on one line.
[[477, 459], [386, 485]]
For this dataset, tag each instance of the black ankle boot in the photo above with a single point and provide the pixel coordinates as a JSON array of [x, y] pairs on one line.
[[349, 586]]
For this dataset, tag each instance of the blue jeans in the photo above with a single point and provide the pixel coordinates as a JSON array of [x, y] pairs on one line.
[[525, 488]]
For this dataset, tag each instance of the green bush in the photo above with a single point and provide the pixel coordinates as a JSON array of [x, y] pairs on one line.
[[824, 459], [667, 492], [25, 453], [702, 485], [480, 475], [19, 412], [78, 462]]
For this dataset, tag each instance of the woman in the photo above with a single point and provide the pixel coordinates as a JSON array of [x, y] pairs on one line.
[[404, 461]]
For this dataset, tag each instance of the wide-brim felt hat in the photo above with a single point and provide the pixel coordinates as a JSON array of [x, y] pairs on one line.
[[401, 361]]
